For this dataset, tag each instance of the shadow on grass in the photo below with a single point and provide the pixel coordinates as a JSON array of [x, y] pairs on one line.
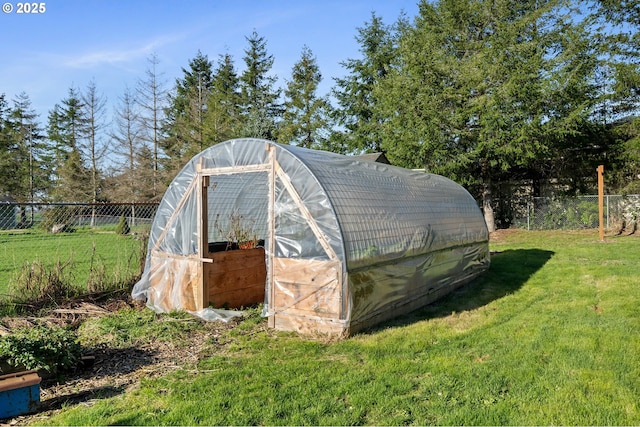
[[89, 383], [101, 392], [509, 271]]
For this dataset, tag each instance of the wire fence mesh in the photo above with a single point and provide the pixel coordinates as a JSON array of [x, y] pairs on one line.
[[108, 241], [551, 213], [93, 243]]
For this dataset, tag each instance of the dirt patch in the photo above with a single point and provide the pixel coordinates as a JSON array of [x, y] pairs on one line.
[[109, 372]]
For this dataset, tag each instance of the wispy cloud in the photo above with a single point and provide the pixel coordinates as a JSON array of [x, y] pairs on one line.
[[118, 56]]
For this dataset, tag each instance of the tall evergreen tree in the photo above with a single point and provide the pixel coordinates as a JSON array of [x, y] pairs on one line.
[[66, 129], [187, 111], [574, 136], [223, 121], [627, 171], [356, 114], [618, 34], [482, 89], [8, 164], [143, 173], [259, 102], [305, 120], [57, 148], [31, 179], [75, 179]]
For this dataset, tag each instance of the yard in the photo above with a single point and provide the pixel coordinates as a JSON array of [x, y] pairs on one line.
[[85, 253], [550, 335]]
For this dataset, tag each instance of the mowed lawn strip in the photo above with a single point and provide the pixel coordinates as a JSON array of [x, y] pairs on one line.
[[551, 335]]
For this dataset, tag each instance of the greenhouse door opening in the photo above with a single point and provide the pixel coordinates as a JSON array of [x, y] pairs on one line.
[[260, 243], [234, 230]]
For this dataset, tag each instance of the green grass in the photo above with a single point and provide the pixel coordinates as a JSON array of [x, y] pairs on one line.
[[549, 336], [118, 257]]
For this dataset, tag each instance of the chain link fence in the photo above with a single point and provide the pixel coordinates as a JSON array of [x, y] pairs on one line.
[[107, 242], [550, 213], [89, 244]]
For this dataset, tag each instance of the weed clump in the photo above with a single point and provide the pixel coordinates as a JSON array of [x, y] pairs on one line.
[[52, 349], [38, 286]]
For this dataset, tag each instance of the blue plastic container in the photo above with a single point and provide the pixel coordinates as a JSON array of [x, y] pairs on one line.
[[19, 393]]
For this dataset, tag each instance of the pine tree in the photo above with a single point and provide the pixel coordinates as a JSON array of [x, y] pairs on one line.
[[357, 114], [8, 165], [483, 89], [75, 179], [618, 35], [30, 178], [56, 147], [222, 121], [142, 173], [187, 111], [66, 129], [259, 99], [305, 120]]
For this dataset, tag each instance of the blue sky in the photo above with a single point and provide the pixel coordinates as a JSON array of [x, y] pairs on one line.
[[109, 41]]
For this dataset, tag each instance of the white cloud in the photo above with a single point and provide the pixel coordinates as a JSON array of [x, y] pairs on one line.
[[117, 56]]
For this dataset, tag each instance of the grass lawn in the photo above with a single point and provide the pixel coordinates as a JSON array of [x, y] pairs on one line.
[[104, 251], [551, 335]]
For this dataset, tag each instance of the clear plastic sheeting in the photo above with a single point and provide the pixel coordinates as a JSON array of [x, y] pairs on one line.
[[212, 314], [413, 281], [347, 242]]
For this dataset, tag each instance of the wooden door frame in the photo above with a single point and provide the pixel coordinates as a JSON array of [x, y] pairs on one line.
[[274, 172], [203, 180]]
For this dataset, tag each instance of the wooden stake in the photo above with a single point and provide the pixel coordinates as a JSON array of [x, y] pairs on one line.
[[202, 291], [270, 291], [601, 201]]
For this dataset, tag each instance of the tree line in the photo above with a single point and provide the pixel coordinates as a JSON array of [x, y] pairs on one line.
[[505, 97]]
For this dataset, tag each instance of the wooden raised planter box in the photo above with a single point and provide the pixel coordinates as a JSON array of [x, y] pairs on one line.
[[236, 278]]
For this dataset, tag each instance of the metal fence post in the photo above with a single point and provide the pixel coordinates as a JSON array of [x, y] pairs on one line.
[[607, 206]]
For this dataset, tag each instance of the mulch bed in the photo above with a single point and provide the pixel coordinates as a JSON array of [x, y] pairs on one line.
[[108, 371]]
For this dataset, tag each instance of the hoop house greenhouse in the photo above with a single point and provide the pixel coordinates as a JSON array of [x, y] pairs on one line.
[[331, 244]]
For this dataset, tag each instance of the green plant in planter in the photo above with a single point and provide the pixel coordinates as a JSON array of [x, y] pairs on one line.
[[237, 231], [52, 349]]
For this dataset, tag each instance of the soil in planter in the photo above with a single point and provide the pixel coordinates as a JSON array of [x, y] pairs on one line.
[[227, 246]]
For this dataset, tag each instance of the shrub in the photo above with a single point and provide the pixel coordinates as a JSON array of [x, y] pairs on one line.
[[58, 219], [123, 226], [52, 348]]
